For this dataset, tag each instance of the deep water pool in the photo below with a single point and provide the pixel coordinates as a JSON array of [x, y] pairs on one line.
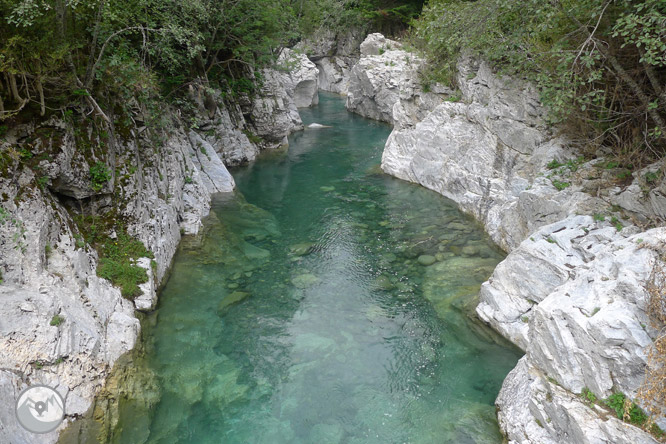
[[324, 303]]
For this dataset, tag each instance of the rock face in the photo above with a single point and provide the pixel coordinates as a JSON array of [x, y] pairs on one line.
[[238, 131], [579, 313], [488, 152], [384, 84], [301, 81], [334, 55], [61, 324], [571, 292]]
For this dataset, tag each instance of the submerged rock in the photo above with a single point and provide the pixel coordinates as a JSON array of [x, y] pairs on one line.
[[302, 249], [305, 280], [231, 299], [426, 259], [383, 282]]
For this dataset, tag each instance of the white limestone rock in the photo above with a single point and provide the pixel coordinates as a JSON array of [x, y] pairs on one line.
[[212, 171], [301, 80], [573, 297], [273, 112], [60, 323], [335, 55], [334, 74], [386, 77], [533, 410]]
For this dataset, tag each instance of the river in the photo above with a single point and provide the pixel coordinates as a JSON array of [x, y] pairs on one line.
[[325, 302]]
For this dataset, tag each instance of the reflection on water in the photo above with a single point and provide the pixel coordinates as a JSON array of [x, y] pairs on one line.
[[327, 303]]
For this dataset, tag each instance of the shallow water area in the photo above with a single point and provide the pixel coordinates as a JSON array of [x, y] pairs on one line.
[[325, 302]]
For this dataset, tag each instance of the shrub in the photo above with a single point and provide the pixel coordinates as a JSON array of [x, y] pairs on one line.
[[56, 320], [652, 392], [589, 396], [598, 65], [559, 185], [99, 176]]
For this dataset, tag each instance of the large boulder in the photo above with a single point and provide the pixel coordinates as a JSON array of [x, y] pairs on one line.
[[301, 79], [573, 297]]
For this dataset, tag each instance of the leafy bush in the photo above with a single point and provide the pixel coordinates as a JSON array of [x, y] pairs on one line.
[[598, 64], [99, 176], [56, 320], [625, 409]]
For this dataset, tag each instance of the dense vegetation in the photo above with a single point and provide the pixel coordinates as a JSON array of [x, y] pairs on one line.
[[600, 64], [97, 54]]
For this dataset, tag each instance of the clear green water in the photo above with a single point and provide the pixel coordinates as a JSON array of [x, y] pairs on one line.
[[303, 314]]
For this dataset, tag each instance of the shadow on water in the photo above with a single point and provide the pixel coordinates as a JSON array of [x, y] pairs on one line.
[[325, 302]]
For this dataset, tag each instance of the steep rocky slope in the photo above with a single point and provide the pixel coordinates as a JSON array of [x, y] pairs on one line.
[[571, 292], [334, 54], [62, 324]]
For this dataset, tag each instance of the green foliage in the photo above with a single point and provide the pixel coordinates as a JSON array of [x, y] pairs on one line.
[[554, 164], [56, 320], [616, 222], [589, 396], [117, 263], [626, 410], [550, 240], [188, 179], [651, 177], [559, 185], [99, 176], [599, 217], [42, 181], [598, 64], [387, 16], [252, 137], [78, 52]]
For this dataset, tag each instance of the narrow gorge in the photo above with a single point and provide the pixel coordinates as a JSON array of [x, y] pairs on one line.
[[329, 247]]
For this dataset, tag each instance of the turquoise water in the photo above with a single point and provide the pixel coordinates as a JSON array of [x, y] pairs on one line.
[[325, 303]]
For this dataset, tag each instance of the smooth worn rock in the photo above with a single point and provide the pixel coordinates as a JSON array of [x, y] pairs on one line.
[[573, 297], [302, 78], [426, 259], [488, 153], [231, 299], [273, 113], [384, 84], [572, 291], [334, 55]]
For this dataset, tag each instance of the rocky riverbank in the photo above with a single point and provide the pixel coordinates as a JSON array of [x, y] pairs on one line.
[[571, 293], [63, 325]]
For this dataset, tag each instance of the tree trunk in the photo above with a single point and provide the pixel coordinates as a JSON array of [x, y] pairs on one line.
[[40, 90], [14, 88], [90, 71]]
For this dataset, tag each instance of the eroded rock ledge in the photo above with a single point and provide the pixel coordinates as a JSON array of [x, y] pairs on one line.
[[60, 323], [571, 293]]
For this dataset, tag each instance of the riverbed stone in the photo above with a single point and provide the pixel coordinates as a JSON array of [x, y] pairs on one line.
[[305, 280], [426, 259], [301, 249], [231, 299]]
